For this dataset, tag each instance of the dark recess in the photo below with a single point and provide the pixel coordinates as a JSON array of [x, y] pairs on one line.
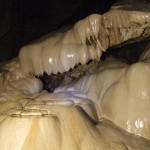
[[22, 21]]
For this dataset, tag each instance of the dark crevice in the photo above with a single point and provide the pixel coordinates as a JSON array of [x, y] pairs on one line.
[[50, 82], [130, 52]]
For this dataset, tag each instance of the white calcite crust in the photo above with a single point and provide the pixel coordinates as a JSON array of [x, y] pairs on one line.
[[121, 94]]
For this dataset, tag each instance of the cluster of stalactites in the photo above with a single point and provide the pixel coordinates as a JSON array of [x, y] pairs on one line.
[[61, 51]]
